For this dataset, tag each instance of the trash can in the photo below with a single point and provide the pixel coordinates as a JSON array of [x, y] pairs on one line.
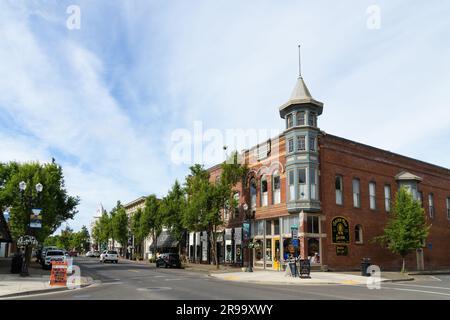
[[16, 263], [364, 265]]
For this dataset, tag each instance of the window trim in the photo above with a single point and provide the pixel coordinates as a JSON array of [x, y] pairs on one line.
[[387, 200], [373, 197], [290, 117], [266, 193], [341, 182], [312, 143], [298, 118], [289, 145], [290, 196], [357, 206], [431, 211], [360, 234], [276, 174], [303, 144], [305, 184]]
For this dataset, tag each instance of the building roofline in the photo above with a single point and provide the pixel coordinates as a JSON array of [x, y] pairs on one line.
[[133, 202], [387, 152]]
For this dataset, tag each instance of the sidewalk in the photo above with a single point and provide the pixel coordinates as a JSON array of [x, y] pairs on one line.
[[38, 282], [316, 278]]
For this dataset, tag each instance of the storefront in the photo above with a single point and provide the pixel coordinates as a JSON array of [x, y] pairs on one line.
[[238, 245], [229, 245]]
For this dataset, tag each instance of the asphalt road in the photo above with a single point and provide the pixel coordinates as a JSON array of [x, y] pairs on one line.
[[130, 280]]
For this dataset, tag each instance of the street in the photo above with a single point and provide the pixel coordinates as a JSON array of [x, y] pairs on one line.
[[131, 280]]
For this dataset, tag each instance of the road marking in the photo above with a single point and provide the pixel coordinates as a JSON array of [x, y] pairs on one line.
[[422, 291], [134, 270], [82, 296], [419, 286], [174, 279], [436, 278]]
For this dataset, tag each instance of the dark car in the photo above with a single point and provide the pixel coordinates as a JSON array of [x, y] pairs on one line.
[[168, 260]]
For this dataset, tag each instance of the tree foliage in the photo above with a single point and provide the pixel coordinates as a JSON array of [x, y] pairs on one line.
[[57, 206], [406, 230]]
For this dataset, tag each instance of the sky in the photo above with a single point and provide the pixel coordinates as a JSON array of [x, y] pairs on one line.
[[105, 87]]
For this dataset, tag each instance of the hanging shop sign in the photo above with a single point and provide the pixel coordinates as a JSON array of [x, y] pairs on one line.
[[341, 250], [197, 238], [36, 218], [191, 239], [246, 230], [228, 234], [340, 230]]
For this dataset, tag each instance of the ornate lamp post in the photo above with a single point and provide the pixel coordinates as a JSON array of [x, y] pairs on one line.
[[28, 241]]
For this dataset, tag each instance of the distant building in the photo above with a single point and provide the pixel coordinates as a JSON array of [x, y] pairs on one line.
[[5, 237]]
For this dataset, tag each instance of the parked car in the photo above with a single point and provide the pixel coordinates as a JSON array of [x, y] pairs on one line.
[[53, 255], [90, 254], [96, 254], [44, 251], [109, 255], [168, 260]]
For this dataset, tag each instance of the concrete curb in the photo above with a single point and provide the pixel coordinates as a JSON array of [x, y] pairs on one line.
[[42, 291]]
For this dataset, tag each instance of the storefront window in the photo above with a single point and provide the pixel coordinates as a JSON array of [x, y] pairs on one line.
[[268, 227], [276, 227], [268, 249], [288, 248], [260, 228], [288, 222], [258, 250], [314, 250]]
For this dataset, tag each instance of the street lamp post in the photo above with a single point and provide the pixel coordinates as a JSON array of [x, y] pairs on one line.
[[22, 187]]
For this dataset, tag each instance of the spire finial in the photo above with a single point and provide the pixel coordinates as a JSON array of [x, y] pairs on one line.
[[299, 62]]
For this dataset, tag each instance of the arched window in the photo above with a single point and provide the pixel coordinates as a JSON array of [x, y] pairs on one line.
[[264, 192], [253, 193], [236, 205], [358, 234], [276, 197]]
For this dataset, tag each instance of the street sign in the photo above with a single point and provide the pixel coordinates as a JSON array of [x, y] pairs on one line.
[[246, 231], [295, 243], [36, 218], [294, 230]]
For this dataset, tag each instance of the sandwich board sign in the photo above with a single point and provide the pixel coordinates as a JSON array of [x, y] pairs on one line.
[[58, 276]]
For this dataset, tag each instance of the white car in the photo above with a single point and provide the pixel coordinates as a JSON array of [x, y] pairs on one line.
[[53, 255], [109, 255], [90, 254]]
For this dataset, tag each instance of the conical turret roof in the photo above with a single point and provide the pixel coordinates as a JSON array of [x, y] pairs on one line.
[[301, 95]]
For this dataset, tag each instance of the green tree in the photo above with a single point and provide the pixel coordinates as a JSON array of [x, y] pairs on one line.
[[171, 208], [406, 230], [151, 220], [105, 229], [57, 206], [65, 239], [120, 226]]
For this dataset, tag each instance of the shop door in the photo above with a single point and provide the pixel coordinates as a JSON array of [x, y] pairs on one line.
[[276, 253]]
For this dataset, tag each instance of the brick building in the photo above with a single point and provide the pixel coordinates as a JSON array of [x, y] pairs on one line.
[[333, 193]]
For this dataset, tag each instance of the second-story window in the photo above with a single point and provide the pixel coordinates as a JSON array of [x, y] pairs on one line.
[[264, 194], [301, 118], [301, 144], [387, 198], [253, 193], [291, 185], [291, 145], [338, 187], [448, 208], [312, 183], [356, 194], [431, 205], [302, 183], [236, 205], [312, 143], [372, 195], [276, 188], [312, 224]]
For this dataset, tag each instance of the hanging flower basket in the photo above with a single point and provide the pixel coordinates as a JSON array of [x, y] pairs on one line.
[[25, 241]]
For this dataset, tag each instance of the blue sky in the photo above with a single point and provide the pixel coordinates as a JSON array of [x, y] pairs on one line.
[[104, 99]]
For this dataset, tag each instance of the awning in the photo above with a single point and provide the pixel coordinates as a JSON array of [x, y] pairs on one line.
[[166, 240]]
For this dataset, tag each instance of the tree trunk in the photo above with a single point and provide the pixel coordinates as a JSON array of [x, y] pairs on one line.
[[403, 264], [155, 241]]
